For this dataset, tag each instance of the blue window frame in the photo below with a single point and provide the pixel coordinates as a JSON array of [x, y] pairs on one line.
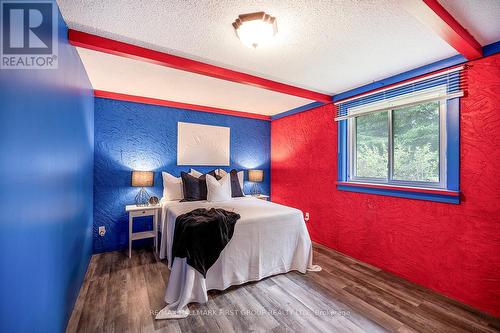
[[443, 185]]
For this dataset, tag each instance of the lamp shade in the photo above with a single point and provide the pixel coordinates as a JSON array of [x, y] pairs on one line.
[[255, 175], [142, 178]]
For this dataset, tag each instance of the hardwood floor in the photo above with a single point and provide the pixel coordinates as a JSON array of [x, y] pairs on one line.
[[122, 295]]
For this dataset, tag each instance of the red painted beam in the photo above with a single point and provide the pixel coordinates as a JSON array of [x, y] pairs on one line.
[[172, 104], [437, 18], [102, 44]]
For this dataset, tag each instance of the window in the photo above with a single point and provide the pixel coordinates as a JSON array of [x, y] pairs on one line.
[[403, 140], [400, 146], [416, 148], [370, 146]]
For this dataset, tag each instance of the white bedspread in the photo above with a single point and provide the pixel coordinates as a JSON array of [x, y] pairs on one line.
[[268, 239]]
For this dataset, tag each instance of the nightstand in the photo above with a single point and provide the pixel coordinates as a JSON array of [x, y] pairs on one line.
[[136, 211], [262, 197]]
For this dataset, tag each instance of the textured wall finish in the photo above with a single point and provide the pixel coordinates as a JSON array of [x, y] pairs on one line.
[[453, 249], [144, 137], [46, 163]]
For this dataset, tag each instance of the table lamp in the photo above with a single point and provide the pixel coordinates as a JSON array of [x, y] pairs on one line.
[[255, 176], [142, 179]]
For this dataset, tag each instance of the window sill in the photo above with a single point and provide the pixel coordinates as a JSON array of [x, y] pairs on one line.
[[438, 195]]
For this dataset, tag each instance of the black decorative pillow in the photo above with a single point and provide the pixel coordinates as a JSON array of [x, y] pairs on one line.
[[195, 188], [236, 190]]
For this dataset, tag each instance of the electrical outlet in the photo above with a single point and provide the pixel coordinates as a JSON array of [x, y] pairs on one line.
[[102, 231], [306, 218]]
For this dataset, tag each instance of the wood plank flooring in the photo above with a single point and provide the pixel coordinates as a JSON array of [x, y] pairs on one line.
[[122, 295]]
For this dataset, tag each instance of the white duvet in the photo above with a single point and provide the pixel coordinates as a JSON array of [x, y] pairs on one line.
[[268, 239]]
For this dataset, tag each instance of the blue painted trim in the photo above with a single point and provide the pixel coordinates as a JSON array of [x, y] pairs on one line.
[[435, 66], [342, 151], [450, 80], [402, 194], [458, 59], [491, 49], [488, 50], [297, 110], [453, 144]]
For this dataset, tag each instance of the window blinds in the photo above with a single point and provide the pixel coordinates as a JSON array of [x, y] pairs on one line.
[[444, 85]]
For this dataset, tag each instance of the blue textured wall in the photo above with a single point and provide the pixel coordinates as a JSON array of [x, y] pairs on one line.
[[137, 136], [46, 164]]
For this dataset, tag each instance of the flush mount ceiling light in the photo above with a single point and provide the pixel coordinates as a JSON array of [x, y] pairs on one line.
[[255, 29]]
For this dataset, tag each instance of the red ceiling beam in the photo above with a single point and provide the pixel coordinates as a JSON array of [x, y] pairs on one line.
[[102, 44], [172, 104], [438, 19]]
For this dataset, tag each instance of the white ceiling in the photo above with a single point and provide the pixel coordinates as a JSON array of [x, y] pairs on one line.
[[134, 77], [325, 46], [480, 17]]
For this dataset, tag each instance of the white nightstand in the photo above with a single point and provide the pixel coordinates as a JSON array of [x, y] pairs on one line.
[[135, 211], [262, 197]]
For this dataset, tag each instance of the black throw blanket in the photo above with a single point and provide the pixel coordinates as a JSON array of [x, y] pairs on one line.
[[201, 235]]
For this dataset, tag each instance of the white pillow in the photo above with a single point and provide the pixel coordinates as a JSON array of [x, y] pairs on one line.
[[172, 187], [222, 173], [195, 173], [241, 175], [218, 190]]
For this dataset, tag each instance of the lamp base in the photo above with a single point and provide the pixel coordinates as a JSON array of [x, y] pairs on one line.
[[142, 198], [255, 190]]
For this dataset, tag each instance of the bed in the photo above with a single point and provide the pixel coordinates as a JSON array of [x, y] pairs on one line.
[[268, 239]]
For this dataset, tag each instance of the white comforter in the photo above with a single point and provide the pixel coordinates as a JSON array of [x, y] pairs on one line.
[[268, 239]]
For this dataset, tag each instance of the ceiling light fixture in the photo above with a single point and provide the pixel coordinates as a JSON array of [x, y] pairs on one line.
[[255, 29]]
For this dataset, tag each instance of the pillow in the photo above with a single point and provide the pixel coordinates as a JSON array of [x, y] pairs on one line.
[[198, 174], [241, 176], [195, 188], [195, 173], [172, 187], [236, 188], [220, 172], [218, 190]]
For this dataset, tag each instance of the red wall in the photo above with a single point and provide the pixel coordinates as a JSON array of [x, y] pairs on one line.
[[453, 249]]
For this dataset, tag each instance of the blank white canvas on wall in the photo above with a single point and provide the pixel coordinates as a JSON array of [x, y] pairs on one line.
[[202, 144]]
